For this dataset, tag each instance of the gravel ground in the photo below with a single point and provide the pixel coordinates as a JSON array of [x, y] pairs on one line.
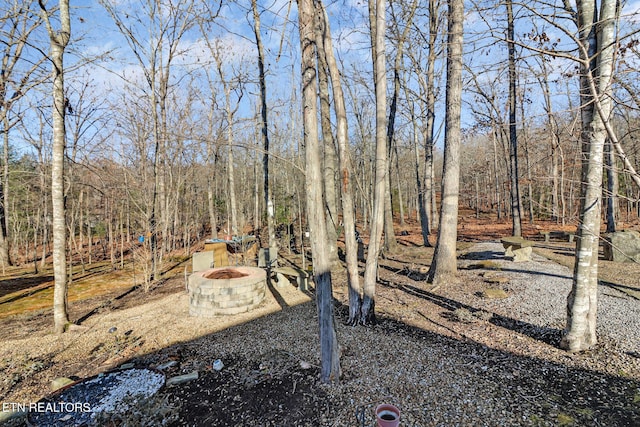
[[446, 357], [539, 297]]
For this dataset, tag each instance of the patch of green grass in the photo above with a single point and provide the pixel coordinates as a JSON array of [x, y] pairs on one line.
[[97, 279], [565, 420]]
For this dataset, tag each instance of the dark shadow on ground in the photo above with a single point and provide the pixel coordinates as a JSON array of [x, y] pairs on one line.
[[482, 255], [534, 273], [100, 308], [269, 386], [281, 302], [9, 286], [544, 334]]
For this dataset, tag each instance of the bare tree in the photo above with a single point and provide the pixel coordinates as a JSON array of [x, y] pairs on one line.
[[377, 11], [346, 191], [444, 258], [516, 202], [156, 45], [328, 142], [17, 24], [597, 45], [427, 209], [229, 83], [268, 196], [390, 241], [59, 39], [330, 362]]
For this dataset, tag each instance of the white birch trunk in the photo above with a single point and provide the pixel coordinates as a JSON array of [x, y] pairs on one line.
[[59, 41], [580, 333]]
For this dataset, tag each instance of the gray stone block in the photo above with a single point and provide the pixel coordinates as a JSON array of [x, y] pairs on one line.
[[268, 257], [622, 246], [202, 260]]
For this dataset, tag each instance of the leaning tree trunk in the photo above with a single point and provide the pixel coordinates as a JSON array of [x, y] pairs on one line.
[[59, 41], [346, 191], [330, 363], [596, 107], [444, 258]]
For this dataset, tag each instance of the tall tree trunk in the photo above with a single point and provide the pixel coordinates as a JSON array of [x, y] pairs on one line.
[[554, 136], [346, 188], [5, 259], [268, 197], [516, 201], [330, 363], [399, 186], [390, 242], [597, 46], [527, 159], [58, 43], [429, 173], [328, 146], [444, 258], [377, 11], [211, 179], [425, 226], [613, 208], [496, 175], [230, 167]]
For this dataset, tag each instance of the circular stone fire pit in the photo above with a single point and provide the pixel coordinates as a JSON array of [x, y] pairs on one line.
[[226, 290]]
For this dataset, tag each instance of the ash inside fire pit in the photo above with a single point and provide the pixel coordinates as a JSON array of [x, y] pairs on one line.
[[224, 274]]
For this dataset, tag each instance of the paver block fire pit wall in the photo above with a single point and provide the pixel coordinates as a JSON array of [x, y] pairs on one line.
[[226, 290]]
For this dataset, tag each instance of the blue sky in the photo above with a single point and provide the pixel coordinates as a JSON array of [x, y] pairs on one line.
[[94, 33]]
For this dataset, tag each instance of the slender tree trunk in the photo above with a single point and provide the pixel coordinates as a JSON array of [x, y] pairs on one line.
[[613, 208], [59, 41], [429, 173], [330, 363], [422, 213], [328, 147], [211, 178], [444, 258], [516, 201], [346, 187], [390, 242], [230, 166], [496, 175], [268, 197], [5, 259], [377, 11]]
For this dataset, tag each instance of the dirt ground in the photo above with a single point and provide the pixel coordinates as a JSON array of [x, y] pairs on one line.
[[271, 364]]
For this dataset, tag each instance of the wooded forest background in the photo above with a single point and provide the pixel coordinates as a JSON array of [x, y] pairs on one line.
[[165, 138]]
